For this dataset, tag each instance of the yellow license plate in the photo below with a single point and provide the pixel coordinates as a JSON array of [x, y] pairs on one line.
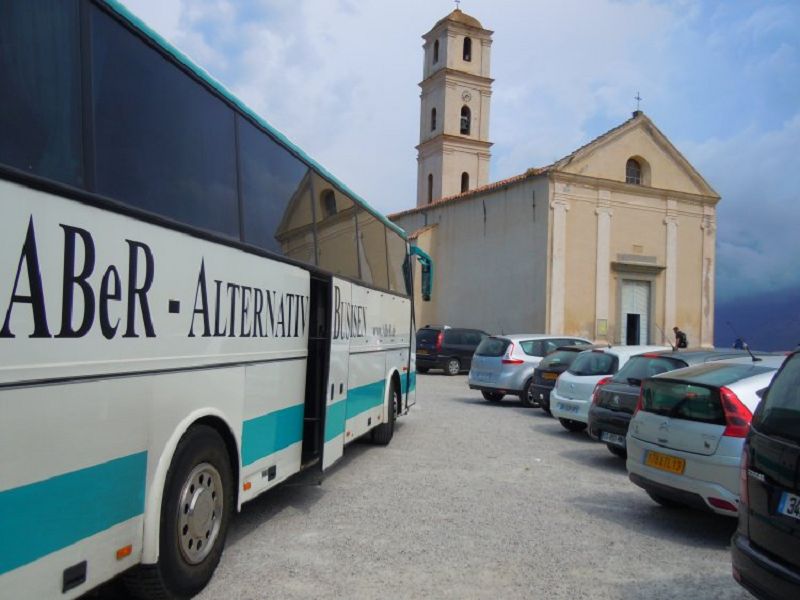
[[549, 375], [665, 462]]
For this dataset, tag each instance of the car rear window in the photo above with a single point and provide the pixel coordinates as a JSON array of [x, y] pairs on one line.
[[682, 401], [641, 367], [594, 363], [427, 336], [558, 358], [779, 412], [492, 346]]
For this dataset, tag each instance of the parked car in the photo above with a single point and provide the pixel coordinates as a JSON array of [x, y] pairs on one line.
[[614, 401], [570, 398], [766, 545], [685, 439], [504, 364], [548, 370], [446, 348]]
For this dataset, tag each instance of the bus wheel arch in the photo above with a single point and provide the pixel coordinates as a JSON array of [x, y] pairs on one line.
[[196, 510], [152, 518]]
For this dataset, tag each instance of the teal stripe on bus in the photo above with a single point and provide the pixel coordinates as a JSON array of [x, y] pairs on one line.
[[43, 517], [334, 420], [408, 385], [272, 432], [364, 398]]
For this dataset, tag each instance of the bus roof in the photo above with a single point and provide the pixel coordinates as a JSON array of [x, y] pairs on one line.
[[121, 10]]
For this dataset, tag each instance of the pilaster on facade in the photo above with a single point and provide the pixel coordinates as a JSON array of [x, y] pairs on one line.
[[603, 266], [671, 272], [709, 226], [558, 265]]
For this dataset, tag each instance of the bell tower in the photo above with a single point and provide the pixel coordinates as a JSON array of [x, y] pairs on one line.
[[453, 152]]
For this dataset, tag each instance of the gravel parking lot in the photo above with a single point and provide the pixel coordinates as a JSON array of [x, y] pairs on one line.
[[474, 500]]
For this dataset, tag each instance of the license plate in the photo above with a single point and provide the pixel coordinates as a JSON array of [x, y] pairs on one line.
[[567, 407], [613, 438], [665, 462], [789, 505], [550, 376]]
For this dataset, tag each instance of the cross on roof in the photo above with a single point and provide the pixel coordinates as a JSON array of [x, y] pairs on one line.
[[457, 4], [638, 99]]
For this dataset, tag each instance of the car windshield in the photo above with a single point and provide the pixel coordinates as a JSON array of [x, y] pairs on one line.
[[559, 358], [492, 346], [682, 400], [594, 363], [779, 412], [644, 366]]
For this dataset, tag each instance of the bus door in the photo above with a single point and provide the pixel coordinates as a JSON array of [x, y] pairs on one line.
[[336, 390], [319, 343]]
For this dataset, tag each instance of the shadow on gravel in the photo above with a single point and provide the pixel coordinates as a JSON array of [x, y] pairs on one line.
[[597, 457], [722, 587], [301, 492], [683, 526], [553, 428]]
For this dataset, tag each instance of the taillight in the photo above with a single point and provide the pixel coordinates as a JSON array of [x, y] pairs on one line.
[[507, 358], [439, 340], [737, 415], [596, 391], [744, 497]]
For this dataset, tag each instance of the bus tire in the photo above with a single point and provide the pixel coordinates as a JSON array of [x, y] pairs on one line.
[[195, 512], [383, 433]]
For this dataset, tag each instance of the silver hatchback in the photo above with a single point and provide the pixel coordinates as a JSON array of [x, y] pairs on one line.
[[504, 364]]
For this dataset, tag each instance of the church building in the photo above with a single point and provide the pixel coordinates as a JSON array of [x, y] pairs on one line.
[[614, 242]]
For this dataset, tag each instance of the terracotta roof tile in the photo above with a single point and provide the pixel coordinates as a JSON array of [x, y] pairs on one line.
[[418, 232]]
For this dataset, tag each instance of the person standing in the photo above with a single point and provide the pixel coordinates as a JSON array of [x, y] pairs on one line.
[[680, 338]]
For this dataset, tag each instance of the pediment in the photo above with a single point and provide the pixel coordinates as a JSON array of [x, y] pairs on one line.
[[666, 168]]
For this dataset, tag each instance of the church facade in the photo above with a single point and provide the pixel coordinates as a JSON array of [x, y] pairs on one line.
[[614, 242]]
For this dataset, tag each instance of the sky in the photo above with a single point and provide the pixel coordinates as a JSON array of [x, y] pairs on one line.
[[720, 78]]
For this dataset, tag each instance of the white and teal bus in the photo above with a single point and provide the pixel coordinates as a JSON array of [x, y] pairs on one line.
[[191, 309]]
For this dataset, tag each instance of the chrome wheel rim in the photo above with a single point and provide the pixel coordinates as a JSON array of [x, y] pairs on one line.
[[200, 513], [453, 366]]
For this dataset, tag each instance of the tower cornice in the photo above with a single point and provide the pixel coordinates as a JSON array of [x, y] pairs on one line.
[[447, 72]]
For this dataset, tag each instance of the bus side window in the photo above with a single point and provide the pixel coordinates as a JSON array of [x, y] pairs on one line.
[[163, 143], [397, 255]]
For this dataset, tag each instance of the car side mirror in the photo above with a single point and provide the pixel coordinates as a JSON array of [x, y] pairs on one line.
[[760, 393]]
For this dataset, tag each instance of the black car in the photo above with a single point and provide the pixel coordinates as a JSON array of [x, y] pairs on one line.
[[548, 370], [447, 348], [766, 545], [614, 400]]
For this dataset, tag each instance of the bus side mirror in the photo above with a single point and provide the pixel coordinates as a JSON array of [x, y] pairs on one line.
[[427, 271]]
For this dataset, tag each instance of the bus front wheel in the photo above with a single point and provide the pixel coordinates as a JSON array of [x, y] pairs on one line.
[[195, 512]]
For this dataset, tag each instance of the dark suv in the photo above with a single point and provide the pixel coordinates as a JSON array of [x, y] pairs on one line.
[[447, 348], [766, 545]]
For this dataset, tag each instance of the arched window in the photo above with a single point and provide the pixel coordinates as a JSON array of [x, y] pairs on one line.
[[433, 119], [467, 49], [435, 51], [465, 120], [328, 199], [633, 171], [464, 182], [430, 188]]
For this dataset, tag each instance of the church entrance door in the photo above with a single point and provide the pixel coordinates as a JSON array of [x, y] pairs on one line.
[[635, 313]]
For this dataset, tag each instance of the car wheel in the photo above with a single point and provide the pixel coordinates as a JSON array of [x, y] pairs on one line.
[[493, 396], [571, 425], [528, 396], [453, 367], [665, 502], [196, 509], [617, 451], [422, 369]]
